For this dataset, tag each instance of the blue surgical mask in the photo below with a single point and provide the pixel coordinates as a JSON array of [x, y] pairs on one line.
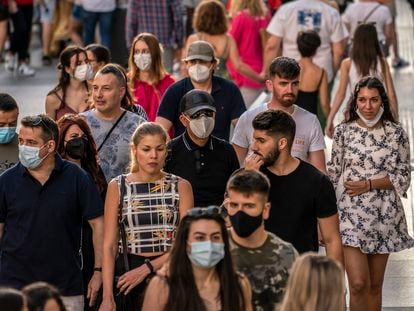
[[29, 156], [7, 134], [206, 254]]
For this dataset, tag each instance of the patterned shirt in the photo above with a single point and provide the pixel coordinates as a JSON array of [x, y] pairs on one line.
[[267, 268], [163, 18], [114, 154], [151, 214]]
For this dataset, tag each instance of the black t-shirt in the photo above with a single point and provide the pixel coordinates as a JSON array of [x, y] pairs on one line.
[[227, 97], [298, 199], [207, 168]]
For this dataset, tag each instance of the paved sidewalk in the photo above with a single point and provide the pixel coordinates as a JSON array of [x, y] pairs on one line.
[[399, 279]]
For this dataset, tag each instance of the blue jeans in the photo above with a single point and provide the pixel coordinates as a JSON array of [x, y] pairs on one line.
[[90, 19]]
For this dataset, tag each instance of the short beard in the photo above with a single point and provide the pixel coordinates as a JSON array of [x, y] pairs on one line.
[[271, 158]]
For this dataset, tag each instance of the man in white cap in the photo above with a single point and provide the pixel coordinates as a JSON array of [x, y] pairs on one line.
[[200, 62]]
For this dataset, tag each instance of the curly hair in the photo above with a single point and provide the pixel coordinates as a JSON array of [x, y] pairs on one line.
[[210, 17], [370, 82]]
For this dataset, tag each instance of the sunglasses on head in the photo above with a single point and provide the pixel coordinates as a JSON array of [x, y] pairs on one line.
[[207, 211]]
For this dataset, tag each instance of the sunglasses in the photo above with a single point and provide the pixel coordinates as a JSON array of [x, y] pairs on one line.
[[205, 113], [37, 121], [207, 211]]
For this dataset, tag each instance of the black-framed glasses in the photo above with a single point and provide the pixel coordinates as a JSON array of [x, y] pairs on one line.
[[205, 113], [207, 211]]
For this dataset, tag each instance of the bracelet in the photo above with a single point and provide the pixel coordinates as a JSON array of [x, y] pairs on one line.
[[98, 269], [149, 265], [370, 184]]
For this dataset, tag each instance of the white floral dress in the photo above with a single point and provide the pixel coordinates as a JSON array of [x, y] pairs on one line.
[[373, 221]]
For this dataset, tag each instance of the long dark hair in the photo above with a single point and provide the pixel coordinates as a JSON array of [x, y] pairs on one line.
[[366, 49], [90, 162], [39, 293], [371, 83], [183, 293], [64, 62]]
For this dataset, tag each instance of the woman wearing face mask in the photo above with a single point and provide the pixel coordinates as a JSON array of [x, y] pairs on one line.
[[147, 76], [71, 94], [76, 144], [152, 203], [370, 170], [200, 274]]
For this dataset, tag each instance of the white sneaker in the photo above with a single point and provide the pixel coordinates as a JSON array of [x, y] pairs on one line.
[[10, 62], [25, 70]]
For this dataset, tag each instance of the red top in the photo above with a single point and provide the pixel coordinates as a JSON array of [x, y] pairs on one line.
[[149, 96]]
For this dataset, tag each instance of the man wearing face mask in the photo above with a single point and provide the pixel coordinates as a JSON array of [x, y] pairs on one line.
[[263, 257], [200, 62], [40, 230], [301, 196], [204, 160], [9, 111]]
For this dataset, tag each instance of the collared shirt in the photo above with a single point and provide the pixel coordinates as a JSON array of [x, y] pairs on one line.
[[207, 168], [227, 97], [163, 18], [42, 226]]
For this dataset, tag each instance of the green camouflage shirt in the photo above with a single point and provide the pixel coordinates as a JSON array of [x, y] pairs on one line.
[[267, 268]]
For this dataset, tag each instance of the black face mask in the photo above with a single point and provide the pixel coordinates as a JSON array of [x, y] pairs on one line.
[[76, 148], [244, 225]]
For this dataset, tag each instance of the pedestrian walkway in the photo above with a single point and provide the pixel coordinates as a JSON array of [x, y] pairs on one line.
[[399, 278]]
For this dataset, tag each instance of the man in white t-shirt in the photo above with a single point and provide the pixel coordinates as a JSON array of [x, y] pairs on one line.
[[369, 11], [309, 141], [300, 15]]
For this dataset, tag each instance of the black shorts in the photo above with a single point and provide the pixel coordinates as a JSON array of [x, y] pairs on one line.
[[4, 12]]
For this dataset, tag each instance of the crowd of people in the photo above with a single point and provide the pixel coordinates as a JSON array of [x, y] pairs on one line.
[[144, 190]]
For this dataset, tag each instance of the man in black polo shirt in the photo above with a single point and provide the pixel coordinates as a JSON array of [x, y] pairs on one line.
[[204, 160], [43, 201], [301, 195], [200, 62]]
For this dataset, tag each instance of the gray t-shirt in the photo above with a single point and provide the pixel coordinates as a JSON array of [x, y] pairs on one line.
[[267, 268], [9, 154], [114, 156]]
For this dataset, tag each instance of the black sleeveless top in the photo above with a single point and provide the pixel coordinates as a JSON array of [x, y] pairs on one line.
[[309, 100]]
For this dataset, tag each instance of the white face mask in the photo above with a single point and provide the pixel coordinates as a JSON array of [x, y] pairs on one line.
[[199, 73], [30, 156], [83, 72], [202, 127], [143, 61], [372, 122]]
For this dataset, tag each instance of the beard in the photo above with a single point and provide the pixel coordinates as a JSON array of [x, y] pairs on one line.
[[270, 158], [285, 100]]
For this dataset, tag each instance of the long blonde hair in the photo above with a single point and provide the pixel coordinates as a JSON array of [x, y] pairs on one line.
[[255, 7], [144, 129], [316, 283]]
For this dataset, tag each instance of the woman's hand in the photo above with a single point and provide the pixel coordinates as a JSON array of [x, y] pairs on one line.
[[132, 278], [107, 305], [354, 188], [329, 128]]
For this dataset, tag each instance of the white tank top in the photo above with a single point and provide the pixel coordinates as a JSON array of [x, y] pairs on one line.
[[354, 75]]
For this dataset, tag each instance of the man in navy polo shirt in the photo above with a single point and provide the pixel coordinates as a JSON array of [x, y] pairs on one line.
[[200, 62], [43, 201]]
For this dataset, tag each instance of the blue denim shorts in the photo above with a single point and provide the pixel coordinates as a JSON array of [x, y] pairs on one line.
[[77, 12]]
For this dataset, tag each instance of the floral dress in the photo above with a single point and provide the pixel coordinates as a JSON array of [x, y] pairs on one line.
[[373, 221]]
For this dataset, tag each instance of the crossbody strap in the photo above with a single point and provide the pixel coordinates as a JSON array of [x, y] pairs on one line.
[[122, 232], [110, 131], [370, 13]]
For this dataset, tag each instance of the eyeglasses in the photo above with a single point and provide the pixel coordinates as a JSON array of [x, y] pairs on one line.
[[207, 211], [205, 113]]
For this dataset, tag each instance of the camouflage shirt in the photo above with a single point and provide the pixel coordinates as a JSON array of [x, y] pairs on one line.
[[267, 268], [9, 154]]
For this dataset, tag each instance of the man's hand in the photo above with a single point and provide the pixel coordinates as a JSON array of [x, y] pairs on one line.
[[132, 278], [253, 162], [354, 188], [93, 287]]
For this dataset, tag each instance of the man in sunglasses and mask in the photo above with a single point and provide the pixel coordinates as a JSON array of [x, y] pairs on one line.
[[204, 160], [262, 256]]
